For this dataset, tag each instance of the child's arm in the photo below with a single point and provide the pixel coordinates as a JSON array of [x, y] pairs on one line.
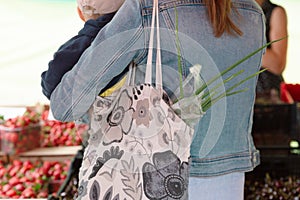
[[69, 53]]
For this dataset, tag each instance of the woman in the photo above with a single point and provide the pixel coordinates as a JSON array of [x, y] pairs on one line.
[[212, 33], [268, 85]]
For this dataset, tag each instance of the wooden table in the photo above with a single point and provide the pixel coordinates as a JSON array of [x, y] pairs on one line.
[[50, 153]]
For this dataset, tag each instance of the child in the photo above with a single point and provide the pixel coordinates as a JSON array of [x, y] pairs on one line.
[[96, 14]]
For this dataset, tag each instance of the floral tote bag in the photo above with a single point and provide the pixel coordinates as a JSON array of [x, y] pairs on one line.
[[139, 147]]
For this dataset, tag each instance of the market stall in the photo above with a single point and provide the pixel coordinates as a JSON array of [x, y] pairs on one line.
[[276, 132], [37, 152]]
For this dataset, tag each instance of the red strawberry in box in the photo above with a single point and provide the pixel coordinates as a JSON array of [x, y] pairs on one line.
[[21, 133]]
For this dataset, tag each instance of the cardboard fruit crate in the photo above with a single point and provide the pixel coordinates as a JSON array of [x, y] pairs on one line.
[[21, 139]]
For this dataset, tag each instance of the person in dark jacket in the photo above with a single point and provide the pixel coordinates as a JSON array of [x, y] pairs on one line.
[[274, 60], [96, 14]]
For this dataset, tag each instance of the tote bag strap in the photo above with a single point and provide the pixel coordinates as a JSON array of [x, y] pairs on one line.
[[131, 74], [158, 70]]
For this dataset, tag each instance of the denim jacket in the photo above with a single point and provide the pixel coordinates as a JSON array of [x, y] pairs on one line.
[[222, 141]]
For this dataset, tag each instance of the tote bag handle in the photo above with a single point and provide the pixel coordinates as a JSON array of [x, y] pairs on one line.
[[158, 70]]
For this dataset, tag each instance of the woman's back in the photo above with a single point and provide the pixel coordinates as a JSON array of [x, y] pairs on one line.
[[224, 133]]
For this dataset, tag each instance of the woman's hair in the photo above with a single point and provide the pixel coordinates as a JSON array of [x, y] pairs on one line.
[[219, 15]]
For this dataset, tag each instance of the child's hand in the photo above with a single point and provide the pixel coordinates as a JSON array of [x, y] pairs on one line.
[[85, 17], [88, 17]]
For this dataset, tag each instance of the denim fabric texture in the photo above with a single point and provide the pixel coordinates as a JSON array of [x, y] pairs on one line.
[[223, 141]]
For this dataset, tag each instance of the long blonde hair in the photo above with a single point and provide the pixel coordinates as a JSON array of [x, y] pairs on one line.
[[219, 15]]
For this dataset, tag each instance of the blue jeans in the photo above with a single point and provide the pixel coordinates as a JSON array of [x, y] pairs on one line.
[[225, 187]]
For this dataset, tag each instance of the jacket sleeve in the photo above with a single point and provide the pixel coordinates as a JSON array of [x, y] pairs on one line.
[[63, 61], [108, 56], [69, 53]]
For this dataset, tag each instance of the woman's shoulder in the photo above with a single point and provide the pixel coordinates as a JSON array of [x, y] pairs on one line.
[[279, 18], [279, 11]]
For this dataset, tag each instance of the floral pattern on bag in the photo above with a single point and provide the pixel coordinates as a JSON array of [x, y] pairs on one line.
[[113, 153], [164, 178], [118, 121], [139, 148]]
